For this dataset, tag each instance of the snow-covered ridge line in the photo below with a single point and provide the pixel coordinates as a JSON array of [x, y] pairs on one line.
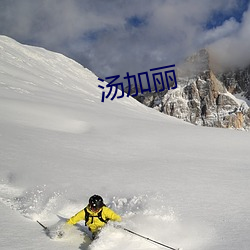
[[61, 71], [31, 62]]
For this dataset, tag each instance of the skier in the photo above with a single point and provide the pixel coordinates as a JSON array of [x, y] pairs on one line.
[[95, 214]]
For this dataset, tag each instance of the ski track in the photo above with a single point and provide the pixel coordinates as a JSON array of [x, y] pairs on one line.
[[144, 214]]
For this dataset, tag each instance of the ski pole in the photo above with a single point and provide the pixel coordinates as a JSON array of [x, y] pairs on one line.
[[45, 228], [146, 238]]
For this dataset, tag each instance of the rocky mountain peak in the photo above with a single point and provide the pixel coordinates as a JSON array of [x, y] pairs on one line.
[[197, 64], [205, 96]]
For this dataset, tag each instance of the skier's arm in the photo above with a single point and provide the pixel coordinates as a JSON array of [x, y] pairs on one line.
[[110, 214], [77, 217]]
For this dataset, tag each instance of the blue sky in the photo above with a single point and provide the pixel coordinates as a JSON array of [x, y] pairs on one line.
[[113, 37], [218, 17]]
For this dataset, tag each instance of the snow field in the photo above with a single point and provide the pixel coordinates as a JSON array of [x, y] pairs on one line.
[[181, 185]]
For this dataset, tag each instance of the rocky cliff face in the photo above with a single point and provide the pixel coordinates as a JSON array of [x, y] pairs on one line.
[[204, 97], [237, 81]]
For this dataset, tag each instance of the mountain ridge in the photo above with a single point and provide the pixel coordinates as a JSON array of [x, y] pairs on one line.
[[204, 95]]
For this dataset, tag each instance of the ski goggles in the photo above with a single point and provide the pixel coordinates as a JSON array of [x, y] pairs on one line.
[[94, 208]]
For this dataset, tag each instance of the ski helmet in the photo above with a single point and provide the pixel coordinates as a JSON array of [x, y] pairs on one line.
[[95, 202]]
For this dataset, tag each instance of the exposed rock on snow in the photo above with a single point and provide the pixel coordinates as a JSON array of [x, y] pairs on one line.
[[201, 98]]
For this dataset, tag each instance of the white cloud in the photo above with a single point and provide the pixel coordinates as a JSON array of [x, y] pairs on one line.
[[228, 28], [98, 34], [233, 50]]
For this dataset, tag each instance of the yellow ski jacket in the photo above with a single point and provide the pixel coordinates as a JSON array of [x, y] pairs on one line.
[[94, 223]]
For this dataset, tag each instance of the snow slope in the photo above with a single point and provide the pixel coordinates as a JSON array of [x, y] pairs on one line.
[[176, 183]]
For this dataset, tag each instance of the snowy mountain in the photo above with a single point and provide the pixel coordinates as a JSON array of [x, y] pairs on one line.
[[182, 185], [205, 95]]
